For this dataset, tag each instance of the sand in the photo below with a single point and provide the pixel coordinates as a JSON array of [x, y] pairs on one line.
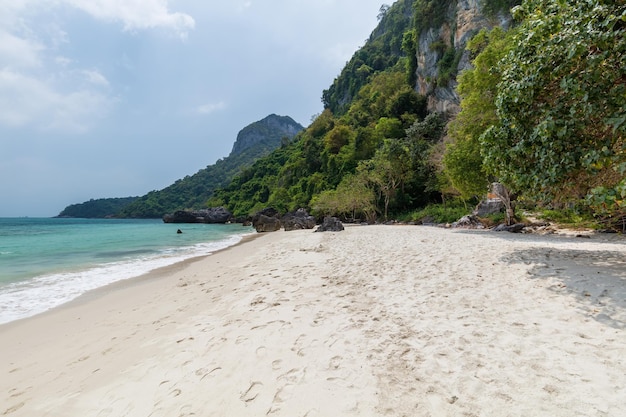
[[371, 321]]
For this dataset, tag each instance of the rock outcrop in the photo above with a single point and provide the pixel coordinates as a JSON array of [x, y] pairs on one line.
[[298, 219], [211, 215], [266, 220], [488, 206], [330, 224], [269, 130], [464, 18], [468, 222], [514, 228]]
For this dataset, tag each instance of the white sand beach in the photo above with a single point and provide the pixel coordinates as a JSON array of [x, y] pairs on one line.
[[371, 321]]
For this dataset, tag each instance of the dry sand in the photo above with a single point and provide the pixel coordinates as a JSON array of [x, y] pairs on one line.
[[372, 321]]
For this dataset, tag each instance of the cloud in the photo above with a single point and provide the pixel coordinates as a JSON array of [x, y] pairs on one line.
[[29, 102], [42, 89], [94, 77], [246, 5], [16, 52], [210, 107], [137, 14]]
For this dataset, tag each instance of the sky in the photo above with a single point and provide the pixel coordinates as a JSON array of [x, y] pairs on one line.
[[116, 98]]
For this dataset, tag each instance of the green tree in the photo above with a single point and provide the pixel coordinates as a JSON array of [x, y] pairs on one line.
[[561, 103], [357, 197], [478, 87], [388, 170]]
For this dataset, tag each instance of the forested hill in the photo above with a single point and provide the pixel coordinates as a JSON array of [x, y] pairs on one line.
[[447, 96], [253, 142], [100, 208]]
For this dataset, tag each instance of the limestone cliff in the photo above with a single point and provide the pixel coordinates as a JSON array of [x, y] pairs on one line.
[[463, 19], [268, 131]]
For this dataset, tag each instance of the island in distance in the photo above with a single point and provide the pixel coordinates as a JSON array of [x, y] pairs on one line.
[[254, 141]]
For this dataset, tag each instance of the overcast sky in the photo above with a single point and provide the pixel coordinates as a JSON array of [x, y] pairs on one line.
[[110, 98]]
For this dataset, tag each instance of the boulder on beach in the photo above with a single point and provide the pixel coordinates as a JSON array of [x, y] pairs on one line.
[[297, 220], [266, 220], [330, 224]]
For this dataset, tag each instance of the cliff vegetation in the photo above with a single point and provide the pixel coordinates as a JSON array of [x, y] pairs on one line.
[[449, 96], [445, 98], [192, 192]]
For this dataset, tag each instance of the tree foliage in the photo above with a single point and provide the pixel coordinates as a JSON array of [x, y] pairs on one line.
[[492, 7], [319, 169], [543, 110], [97, 209], [478, 87], [383, 50], [561, 102]]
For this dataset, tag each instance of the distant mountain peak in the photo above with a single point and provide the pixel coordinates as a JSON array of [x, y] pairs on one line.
[[269, 130]]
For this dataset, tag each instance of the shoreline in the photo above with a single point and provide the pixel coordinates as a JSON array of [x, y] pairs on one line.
[[133, 280], [163, 272], [374, 320]]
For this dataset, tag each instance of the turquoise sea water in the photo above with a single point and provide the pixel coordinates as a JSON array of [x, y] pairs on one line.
[[45, 262]]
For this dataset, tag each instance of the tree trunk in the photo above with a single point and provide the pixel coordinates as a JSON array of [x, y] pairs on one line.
[[502, 193]]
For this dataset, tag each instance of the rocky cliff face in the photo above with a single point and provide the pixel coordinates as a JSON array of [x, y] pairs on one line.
[[464, 18], [269, 130]]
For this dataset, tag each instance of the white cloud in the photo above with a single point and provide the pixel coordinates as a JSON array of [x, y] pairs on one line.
[[40, 88], [29, 102], [63, 61], [246, 5], [94, 77], [210, 107], [137, 14], [16, 52]]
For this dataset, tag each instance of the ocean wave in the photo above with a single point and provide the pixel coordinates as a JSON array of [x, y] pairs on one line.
[[26, 298]]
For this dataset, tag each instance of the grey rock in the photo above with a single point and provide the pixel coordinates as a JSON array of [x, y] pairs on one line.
[[266, 220], [266, 224], [330, 224], [469, 222], [210, 215], [298, 220], [514, 228], [489, 206]]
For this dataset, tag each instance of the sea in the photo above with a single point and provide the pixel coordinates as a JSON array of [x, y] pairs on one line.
[[46, 262]]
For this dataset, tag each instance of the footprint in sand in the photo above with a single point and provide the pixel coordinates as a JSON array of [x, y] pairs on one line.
[[294, 375], [261, 352], [335, 362], [14, 408], [282, 395], [252, 392]]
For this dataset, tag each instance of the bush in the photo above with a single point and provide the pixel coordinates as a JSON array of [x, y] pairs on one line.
[[440, 213]]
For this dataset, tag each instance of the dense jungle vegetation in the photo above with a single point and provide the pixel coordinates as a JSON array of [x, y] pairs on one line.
[[543, 111], [98, 208]]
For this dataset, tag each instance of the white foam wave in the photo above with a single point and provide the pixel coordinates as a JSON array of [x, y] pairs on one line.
[[24, 299]]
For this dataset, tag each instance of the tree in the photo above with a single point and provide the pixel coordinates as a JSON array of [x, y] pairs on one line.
[[389, 169], [478, 87], [357, 197], [561, 102]]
